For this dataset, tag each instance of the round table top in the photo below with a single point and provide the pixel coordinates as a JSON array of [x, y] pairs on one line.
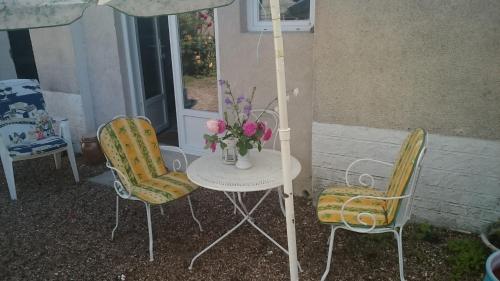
[[210, 172]]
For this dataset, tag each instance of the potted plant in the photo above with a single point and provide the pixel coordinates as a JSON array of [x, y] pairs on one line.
[[238, 125]]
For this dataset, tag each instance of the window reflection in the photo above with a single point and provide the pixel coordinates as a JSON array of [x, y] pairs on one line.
[[290, 10], [197, 43]]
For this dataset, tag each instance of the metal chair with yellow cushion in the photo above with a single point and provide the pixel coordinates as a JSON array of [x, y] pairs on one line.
[[135, 158], [365, 209]]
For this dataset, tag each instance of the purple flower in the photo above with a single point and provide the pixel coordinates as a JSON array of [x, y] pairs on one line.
[[240, 99], [228, 101], [247, 109]]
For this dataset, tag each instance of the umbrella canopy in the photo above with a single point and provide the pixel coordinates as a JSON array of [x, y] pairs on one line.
[[17, 14]]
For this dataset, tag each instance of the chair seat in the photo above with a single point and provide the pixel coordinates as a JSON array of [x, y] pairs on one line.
[[37, 147], [164, 188], [331, 200]]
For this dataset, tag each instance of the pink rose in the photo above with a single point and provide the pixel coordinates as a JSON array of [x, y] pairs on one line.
[[267, 135], [261, 126], [213, 126], [221, 126], [249, 128]]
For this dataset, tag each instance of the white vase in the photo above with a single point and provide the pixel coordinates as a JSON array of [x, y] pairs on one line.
[[243, 161]]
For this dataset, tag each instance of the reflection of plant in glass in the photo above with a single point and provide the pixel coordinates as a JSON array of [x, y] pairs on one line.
[[198, 43]]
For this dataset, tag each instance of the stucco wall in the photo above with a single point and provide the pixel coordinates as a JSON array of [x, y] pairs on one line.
[[55, 58], [81, 59], [239, 65], [402, 64], [7, 68], [103, 61]]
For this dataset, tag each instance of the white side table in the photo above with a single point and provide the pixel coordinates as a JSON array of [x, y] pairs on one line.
[[209, 172]]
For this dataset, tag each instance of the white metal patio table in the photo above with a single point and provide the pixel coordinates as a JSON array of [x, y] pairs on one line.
[[210, 172]]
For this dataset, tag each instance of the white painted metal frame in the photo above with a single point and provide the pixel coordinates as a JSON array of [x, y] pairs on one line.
[[263, 176], [247, 217], [403, 215], [122, 192], [254, 24], [7, 160]]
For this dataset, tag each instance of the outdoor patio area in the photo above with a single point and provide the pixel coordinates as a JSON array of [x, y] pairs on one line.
[[59, 230]]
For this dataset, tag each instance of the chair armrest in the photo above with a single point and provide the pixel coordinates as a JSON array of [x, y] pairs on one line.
[[4, 151], [176, 163], [64, 131], [117, 184], [365, 214], [360, 179]]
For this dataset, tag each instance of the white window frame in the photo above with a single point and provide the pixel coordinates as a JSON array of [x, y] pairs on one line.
[[255, 24]]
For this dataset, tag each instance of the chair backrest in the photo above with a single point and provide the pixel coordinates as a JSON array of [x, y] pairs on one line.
[[271, 118], [22, 112], [130, 146], [404, 176]]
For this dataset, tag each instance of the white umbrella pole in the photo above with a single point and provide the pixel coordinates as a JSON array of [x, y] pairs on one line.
[[284, 133]]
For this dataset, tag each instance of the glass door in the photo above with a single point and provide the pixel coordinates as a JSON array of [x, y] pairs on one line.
[[153, 47], [195, 65]]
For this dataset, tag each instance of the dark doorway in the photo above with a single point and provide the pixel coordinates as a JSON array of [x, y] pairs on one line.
[[156, 63], [21, 52]]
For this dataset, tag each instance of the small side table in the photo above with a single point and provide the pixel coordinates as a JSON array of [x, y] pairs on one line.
[[266, 174]]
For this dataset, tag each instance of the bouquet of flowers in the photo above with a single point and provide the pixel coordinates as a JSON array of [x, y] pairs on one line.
[[238, 124]]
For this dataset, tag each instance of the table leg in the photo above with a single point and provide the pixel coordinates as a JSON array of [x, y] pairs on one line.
[[246, 217]]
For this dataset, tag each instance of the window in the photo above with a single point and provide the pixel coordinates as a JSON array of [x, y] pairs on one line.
[[296, 15]]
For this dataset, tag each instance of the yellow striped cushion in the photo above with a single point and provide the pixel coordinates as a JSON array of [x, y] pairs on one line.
[[130, 144], [332, 199], [403, 169], [165, 188]]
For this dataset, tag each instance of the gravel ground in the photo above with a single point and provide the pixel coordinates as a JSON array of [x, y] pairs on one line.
[[59, 230]]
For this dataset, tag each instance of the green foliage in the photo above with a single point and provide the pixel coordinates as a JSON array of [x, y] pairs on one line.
[[198, 43], [467, 258], [427, 232]]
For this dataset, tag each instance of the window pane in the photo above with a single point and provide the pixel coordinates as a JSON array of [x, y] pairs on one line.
[[149, 57], [197, 40], [290, 10]]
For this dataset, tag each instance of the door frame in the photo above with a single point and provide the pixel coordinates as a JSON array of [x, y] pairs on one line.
[[134, 71], [135, 79]]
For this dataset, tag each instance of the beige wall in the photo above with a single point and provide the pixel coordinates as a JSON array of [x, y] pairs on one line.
[[240, 67], [55, 58], [402, 64], [7, 67]]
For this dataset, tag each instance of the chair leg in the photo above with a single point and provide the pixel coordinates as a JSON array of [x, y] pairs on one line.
[[150, 230], [234, 199], [9, 174], [281, 199], [330, 250], [117, 214], [399, 239], [72, 161], [57, 160], [192, 213]]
